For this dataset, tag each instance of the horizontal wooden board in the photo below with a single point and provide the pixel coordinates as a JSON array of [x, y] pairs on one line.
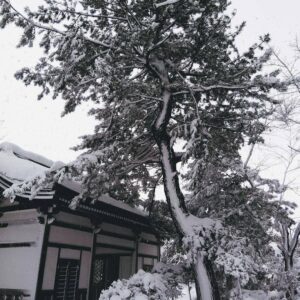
[[70, 236]]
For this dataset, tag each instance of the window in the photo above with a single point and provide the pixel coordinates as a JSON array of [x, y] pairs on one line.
[[66, 281]]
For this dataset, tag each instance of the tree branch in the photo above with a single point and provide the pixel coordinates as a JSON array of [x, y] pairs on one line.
[[167, 2], [214, 87], [53, 29], [91, 15]]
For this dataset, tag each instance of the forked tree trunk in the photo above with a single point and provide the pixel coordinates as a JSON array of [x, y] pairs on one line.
[[288, 247], [174, 196]]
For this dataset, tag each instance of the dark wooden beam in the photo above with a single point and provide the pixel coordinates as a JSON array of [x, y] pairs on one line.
[[75, 247], [104, 245], [42, 261]]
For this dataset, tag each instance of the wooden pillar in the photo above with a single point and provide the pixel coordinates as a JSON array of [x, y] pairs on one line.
[[42, 258], [93, 252], [135, 254], [158, 247]]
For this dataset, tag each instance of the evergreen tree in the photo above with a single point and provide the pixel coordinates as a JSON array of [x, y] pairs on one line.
[[159, 73]]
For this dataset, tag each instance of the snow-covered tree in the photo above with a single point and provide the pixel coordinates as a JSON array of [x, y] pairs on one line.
[[160, 74], [286, 119]]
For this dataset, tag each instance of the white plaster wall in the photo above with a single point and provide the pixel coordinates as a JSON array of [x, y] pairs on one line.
[[147, 249], [69, 253], [50, 268], [85, 270], [19, 265], [21, 233], [73, 219], [25, 216], [148, 236], [115, 241], [70, 236], [19, 268], [117, 229]]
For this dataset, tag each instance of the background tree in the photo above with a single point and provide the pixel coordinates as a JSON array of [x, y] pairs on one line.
[[159, 73], [280, 153]]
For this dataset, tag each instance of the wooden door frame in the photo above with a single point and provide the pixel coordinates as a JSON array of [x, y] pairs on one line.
[[57, 266]]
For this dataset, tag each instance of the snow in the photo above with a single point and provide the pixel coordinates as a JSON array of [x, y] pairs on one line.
[[254, 295], [109, 200], [15, 165], [138, 287], [188, 224], [185, 293], [76, 186], [180, 217], [203, 279], [162, 115], [12, 148], [72, 185], [247, 294], [19, 165], [168, 2]]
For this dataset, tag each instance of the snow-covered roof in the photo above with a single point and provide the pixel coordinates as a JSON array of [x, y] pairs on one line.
[[17, 165]]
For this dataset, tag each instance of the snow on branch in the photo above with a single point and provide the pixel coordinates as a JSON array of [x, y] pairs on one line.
[[34, 185], [51, 28], [268, 81], [92, 15], [168, 2]]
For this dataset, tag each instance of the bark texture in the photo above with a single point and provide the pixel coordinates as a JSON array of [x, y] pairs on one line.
[[174, 196]]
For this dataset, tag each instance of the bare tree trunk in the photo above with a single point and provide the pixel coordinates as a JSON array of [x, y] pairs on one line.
[[288, 247]]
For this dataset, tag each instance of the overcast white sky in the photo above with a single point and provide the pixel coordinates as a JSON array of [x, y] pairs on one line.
[[37, 125]]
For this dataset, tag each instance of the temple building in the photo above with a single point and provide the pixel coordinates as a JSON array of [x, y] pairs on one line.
[[50, 251]]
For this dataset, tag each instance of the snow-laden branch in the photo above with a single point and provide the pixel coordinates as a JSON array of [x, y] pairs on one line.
[[267, 81], [213, 87], [92, 15], [168, 2], [53, 29]]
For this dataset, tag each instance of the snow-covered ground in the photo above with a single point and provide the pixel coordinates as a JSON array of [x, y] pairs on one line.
[[247, 295]]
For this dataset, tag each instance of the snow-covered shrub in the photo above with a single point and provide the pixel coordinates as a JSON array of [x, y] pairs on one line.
[[254, 295], [141, 286], [234, 259], [174, 275]]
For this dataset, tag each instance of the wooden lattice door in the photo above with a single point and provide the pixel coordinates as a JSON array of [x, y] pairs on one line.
[[105, 271], [67, 278]]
